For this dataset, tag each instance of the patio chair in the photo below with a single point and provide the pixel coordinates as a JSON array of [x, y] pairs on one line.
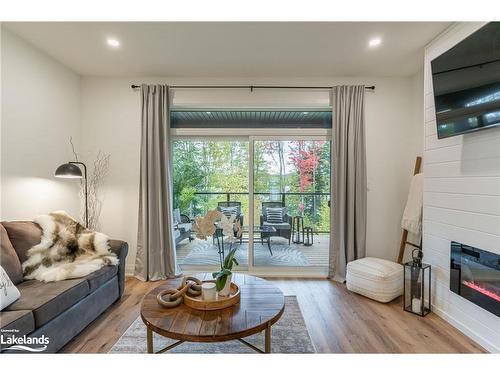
[[182, 226], [227, 207], [284, 226], [230, 208]]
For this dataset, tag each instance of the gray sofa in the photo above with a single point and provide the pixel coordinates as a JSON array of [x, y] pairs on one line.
[[58, 310]]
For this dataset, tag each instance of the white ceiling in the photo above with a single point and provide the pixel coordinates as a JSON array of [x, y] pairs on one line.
[[254, 49]]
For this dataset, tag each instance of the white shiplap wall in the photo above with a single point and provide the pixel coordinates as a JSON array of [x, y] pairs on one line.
[[461, 202]]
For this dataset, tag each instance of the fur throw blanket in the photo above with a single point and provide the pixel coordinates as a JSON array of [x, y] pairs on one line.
[[67, 250]]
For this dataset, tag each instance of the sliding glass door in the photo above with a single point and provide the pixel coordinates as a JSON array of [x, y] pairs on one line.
[[291, 195], [279, 187], [208, 174]]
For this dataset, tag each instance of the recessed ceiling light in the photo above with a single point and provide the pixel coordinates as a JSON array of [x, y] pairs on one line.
[[112, 42], [375, 42], [208, 113], [305, 113]]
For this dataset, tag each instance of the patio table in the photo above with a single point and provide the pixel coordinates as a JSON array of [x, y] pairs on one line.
[[266, 231]]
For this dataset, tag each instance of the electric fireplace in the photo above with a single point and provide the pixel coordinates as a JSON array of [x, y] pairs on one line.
[[475, 275]]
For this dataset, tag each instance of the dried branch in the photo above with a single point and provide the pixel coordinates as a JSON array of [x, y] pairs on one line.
[[95, 178], [73, 148]]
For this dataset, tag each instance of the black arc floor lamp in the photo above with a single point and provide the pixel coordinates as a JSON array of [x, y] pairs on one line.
[[72, 170]]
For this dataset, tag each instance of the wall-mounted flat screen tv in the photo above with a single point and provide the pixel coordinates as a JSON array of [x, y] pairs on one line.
[[466, 82]]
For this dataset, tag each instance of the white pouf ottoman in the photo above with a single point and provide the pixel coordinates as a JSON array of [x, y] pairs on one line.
[[378, 279]]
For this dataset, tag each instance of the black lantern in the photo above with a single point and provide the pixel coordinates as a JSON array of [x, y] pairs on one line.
[[417, 286], [297, 227], [308, 236]]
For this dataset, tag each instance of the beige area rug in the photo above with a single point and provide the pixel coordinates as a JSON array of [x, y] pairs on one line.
[[284, 255], [289, 335]]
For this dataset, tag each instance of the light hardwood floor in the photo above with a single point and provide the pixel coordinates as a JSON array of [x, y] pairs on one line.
[[338, 321]]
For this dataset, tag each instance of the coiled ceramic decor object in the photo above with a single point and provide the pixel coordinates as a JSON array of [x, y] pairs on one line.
[[173, 297]]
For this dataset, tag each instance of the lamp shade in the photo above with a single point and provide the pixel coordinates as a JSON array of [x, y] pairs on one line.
[[68, 170]]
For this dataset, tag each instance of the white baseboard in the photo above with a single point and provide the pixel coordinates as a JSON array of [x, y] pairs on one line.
[[486, 344], [129, 270]]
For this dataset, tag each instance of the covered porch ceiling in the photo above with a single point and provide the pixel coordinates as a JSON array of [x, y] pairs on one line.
[[251, 119]]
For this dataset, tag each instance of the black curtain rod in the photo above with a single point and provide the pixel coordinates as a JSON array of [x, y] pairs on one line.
[[467, 67], [252, 87]]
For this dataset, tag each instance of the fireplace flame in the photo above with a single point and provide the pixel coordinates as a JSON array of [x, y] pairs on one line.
[[482, 290]]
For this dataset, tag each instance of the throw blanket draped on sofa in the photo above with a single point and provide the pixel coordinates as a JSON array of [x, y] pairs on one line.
[[67, 250]]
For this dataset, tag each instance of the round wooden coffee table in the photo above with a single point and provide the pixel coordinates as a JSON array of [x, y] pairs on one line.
[[260, 306]]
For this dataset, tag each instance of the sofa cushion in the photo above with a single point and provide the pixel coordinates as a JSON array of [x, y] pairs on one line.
[[23, 235], [9, 259], [98, 278], [185, 227], [19, 322], [378, 279], [8, 291], [281, 226], [47, 300]]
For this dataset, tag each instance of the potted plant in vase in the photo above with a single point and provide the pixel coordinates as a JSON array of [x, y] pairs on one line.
[[224, 276], [231, 230]]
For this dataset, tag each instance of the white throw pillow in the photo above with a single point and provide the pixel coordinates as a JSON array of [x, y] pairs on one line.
[[8, 291], [275, 215], [229, 211], [176, 216]]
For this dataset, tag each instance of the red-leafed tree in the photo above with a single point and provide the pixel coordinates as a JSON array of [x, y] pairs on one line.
[[305, 156]]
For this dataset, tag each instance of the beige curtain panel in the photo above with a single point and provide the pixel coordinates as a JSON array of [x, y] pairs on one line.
[[155, 258], [348, 214]]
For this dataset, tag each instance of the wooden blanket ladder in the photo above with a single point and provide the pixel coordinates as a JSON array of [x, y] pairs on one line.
[[404, 236]]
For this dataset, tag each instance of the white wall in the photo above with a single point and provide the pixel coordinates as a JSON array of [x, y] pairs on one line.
[[111, 122], [461, 202], [393, 140], [44, 103], [40, 111]]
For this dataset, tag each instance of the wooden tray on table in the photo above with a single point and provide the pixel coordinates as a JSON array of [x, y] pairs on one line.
[[220, 303]]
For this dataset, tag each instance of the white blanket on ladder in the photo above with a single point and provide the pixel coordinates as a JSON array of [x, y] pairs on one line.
[[412, 216]]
